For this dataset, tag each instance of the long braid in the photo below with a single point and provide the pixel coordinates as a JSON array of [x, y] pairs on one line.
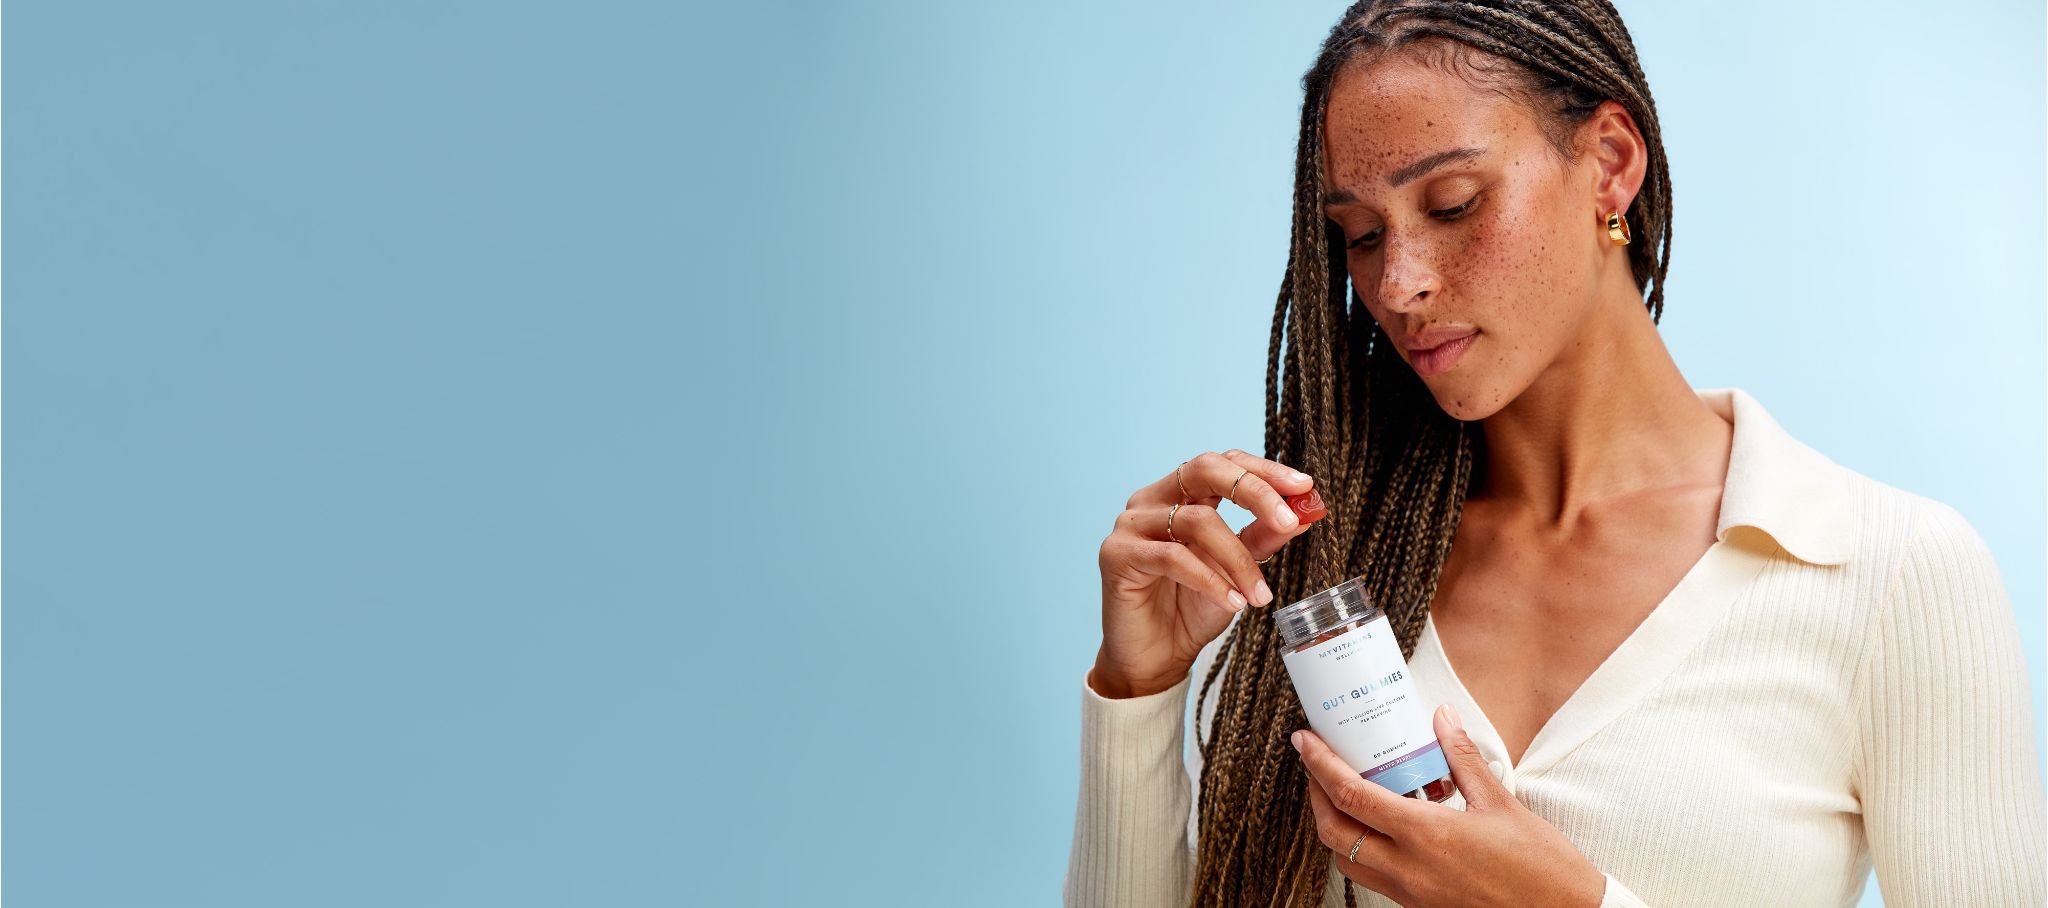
[[1393, 468]]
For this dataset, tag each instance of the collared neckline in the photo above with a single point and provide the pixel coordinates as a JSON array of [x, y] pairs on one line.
[[1801, 500], [1645, 657], [1778, 484]]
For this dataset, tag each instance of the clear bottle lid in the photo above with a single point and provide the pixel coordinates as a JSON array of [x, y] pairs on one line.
[[1320, 613]]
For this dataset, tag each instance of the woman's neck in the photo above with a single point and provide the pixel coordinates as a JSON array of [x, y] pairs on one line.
[[1612, 417]]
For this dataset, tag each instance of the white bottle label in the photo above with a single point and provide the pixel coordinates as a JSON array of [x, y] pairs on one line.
[[1359, 699]]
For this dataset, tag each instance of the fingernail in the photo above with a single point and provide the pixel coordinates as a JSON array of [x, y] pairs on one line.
[[1295, 739], [1451, 713], [1298, 476], [1264, 592], [1236, 601]]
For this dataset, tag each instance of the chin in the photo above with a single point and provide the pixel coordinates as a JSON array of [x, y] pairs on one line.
[[1464, 401]]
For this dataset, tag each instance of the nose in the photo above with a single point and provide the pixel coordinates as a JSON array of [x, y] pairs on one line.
[[1407, 282]]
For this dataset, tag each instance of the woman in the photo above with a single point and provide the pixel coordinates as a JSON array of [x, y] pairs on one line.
[[1698, 663]]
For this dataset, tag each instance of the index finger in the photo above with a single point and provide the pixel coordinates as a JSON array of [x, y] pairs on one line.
[[1278, 495], [1299, 499], [1254, 483], [1295, 481], [1368, 802]]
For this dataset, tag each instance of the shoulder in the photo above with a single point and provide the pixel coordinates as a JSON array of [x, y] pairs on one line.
[[1821, 510], [1942, 673], [1936, 610], [1924, 547], [1909, 539], [1922, 591]]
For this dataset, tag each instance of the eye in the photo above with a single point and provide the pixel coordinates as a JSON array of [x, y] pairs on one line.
[[1448, 214]]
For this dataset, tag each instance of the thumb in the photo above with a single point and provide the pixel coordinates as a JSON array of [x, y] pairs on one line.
[[1474, 778]]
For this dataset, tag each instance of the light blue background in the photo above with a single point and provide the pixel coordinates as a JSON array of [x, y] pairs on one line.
[[633, 454]]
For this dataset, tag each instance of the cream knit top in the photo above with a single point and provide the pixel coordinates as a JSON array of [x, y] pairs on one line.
[[1836, 685]]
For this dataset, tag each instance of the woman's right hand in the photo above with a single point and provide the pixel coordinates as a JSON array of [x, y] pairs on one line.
[[1162, 601]]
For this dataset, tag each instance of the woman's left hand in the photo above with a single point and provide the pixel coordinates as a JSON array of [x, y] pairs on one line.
[[1494, 852]]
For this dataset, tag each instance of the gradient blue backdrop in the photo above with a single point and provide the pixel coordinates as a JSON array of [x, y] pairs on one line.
[[646, 454]]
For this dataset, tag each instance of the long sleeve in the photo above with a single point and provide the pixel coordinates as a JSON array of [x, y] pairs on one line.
[[1130, 843], [1945, 760]]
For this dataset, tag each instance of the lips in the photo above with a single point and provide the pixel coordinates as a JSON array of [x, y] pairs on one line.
[[1437, 337], [1444, 356]]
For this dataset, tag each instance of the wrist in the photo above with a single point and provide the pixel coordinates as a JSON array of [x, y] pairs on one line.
[[1106, 680], [1106, 684]]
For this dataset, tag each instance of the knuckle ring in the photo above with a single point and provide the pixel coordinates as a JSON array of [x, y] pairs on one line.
[[1353, 856], [1234, 482], [1169, 522], [1256, 560], [1177, 482], [1240, 538]]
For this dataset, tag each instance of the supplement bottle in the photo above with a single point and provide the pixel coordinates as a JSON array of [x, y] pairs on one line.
[[1347, 669]]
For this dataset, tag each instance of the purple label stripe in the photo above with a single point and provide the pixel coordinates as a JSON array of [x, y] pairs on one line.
[[1416, 754]]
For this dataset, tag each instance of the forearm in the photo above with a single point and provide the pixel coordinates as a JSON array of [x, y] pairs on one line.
[[1130, 845]]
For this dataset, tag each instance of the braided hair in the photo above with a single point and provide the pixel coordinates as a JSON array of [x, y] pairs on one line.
[[1397, 467]]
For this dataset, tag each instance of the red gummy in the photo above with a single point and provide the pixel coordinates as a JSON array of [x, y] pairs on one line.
[[1308, 506]]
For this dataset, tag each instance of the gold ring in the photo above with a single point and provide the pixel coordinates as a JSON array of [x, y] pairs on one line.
[[1169, 522], [1176, 481], [1233, 485], [1240, 538]]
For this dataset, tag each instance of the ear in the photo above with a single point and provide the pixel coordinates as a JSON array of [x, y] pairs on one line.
[[1613, 146]]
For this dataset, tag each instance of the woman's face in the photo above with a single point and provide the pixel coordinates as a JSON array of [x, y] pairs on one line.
[[1501, 242]]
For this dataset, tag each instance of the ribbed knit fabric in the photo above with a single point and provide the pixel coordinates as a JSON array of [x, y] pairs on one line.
[[1837, 684]]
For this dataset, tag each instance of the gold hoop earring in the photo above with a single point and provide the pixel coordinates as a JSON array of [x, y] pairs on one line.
[[1617, 228]]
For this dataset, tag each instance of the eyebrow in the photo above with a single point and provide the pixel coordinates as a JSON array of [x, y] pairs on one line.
[[1409, 173]]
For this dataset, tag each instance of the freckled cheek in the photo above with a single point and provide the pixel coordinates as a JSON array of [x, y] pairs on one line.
[[1505, 268], [1493, 258]]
